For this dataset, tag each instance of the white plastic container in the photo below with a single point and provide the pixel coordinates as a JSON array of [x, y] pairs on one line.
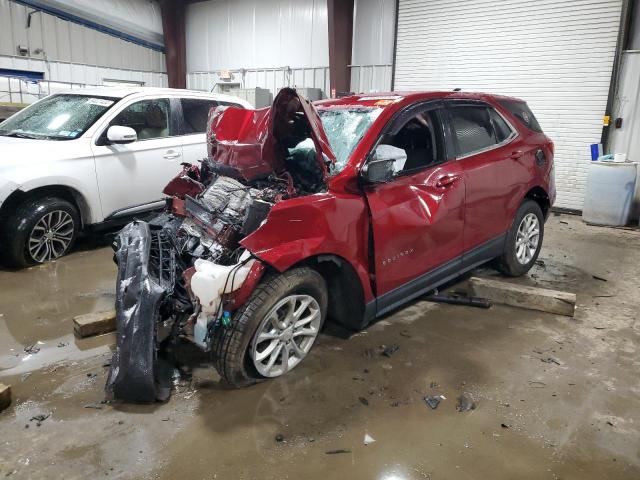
[[610, 193]]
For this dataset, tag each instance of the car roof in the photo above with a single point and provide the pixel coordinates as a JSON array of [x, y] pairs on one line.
[[122, 92], [388, 98]]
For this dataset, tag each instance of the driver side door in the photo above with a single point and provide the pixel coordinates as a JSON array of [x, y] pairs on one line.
[[131, 177], [418, 216]]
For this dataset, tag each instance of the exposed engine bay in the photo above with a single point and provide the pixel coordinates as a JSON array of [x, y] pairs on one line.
[[180, 275]]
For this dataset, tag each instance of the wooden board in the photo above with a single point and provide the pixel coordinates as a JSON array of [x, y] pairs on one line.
[[523, 296], [5, 396], [94, 323]]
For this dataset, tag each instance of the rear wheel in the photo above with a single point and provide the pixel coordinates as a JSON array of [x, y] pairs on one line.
[[274, 331], [523, 242], [39, 231]]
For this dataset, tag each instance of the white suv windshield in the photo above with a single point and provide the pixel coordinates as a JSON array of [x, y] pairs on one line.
[[345, 127], [58, 117]]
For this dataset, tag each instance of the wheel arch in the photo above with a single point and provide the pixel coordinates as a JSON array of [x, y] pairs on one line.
[[65, 192], [541, 197], [346, 303]]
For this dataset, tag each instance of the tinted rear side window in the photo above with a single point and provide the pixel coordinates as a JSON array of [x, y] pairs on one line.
[[523, 113], [473, 129]]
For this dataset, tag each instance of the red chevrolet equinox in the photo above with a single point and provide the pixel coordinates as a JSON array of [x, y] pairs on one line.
[[344, 209]]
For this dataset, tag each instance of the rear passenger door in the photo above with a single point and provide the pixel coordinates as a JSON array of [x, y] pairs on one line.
[[492, 171]]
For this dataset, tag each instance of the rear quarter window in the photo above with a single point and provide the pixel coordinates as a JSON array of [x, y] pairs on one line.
[[195, 112], [523, 113]]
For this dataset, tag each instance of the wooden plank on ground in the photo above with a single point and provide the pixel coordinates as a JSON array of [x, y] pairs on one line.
[[523, 296], [94, 323], [5, 396]]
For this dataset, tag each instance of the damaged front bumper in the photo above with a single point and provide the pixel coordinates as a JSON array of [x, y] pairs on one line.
[[163, 294], [141, 286]]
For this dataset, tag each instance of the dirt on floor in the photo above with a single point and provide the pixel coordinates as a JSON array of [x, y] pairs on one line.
[[545, 396]]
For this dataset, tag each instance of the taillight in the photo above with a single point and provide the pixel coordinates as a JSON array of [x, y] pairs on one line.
[[552, 147]]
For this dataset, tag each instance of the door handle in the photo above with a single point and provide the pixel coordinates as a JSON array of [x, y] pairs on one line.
[[516, 155], [169, 154], [447, 180]]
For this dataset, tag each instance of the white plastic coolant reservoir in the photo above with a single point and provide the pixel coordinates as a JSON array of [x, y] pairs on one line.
[[610, 192], [212, 280]]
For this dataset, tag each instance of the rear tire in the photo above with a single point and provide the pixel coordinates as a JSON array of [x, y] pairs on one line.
[[523, 241], [41, 229], [233, 347]]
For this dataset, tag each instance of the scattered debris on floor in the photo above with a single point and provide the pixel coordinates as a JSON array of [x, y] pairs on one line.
[[460, 299], [279, 438], [465, 403], [522, 296], [364, 401], [536, 384], [504, 425], [96, 323], [368, 439], [31, 349], [389, 350], [337, 451], [551, 360], [63, 344], [602, 279], [40, 418], [5, 396], [434, 400]]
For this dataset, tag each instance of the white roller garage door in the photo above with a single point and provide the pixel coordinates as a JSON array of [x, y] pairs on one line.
[[557, 55]]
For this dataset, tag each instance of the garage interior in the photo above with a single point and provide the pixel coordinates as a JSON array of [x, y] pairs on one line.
[[521, 393]]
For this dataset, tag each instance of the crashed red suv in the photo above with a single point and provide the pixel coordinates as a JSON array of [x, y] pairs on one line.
[[344, 209]]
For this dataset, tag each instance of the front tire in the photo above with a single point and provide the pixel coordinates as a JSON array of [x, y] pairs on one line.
[[40, 230], [274, 331], [523, 241]]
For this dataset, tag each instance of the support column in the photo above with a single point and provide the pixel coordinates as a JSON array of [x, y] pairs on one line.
[[173, 26], [340, 19]]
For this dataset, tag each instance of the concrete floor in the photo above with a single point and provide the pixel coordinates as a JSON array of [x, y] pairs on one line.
[[579, 419]]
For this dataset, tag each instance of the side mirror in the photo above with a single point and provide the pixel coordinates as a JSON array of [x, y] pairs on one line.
[[385, 162], [121, 135]]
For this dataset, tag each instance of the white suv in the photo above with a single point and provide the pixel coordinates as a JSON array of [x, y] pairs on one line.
[[92, 157]]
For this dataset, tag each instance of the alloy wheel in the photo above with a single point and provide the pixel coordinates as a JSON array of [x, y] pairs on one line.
[[285, 335], [51, 236], [527, 238]]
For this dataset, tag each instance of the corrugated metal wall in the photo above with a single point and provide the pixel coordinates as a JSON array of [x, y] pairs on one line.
[[261, 37], [556, 54], [139, 18], [69, 52], [372, 49]]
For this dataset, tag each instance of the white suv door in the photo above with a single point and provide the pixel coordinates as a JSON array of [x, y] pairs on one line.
[[131, 176]]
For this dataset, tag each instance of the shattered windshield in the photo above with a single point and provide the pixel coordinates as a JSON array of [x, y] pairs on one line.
[[58, 117], [345, 127]]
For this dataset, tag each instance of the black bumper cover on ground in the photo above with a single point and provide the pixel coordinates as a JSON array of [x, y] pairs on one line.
[[135, 374]]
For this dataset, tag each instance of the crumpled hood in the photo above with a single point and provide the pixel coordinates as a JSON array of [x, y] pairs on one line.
[[250, 141]]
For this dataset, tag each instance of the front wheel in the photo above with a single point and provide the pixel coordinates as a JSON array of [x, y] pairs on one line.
[[40, 230], [274, 331], [523, 241]]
